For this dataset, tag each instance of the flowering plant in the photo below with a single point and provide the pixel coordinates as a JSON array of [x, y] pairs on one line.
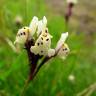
[[37, 41]]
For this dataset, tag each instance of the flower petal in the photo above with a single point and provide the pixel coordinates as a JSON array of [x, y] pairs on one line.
[[63, 51], [33, 25], [44, 20], [41, 25]]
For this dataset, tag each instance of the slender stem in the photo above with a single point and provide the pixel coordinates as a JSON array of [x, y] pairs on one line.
[[66, 26], [33, 60], [46, 59], [38, 68], [88, 91], [25, 87]]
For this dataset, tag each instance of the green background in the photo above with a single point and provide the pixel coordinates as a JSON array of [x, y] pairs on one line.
[[53, 77]]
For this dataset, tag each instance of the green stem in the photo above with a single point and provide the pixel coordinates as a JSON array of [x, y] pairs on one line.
[[66, 26], [25, 87]]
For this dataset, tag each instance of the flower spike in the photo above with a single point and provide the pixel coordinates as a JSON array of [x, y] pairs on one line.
[[39, 47]]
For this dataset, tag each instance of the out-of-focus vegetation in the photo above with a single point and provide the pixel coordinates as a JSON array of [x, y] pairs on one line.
[[54, 77]]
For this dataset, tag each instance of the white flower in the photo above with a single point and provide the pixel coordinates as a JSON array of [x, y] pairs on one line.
[[33, 26], [41, 25], [72, 1], [61, 41], [62, 48], [26, 33], [63, 51], [41, 50], [22, 35], [42, 44]]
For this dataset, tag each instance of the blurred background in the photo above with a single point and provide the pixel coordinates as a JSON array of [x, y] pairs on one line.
[[57, 77]]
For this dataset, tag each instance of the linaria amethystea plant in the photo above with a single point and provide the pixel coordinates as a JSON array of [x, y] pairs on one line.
[[36, 40]]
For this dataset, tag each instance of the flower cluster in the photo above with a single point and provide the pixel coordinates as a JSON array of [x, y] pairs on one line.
[[42, 44], [37, 41]]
